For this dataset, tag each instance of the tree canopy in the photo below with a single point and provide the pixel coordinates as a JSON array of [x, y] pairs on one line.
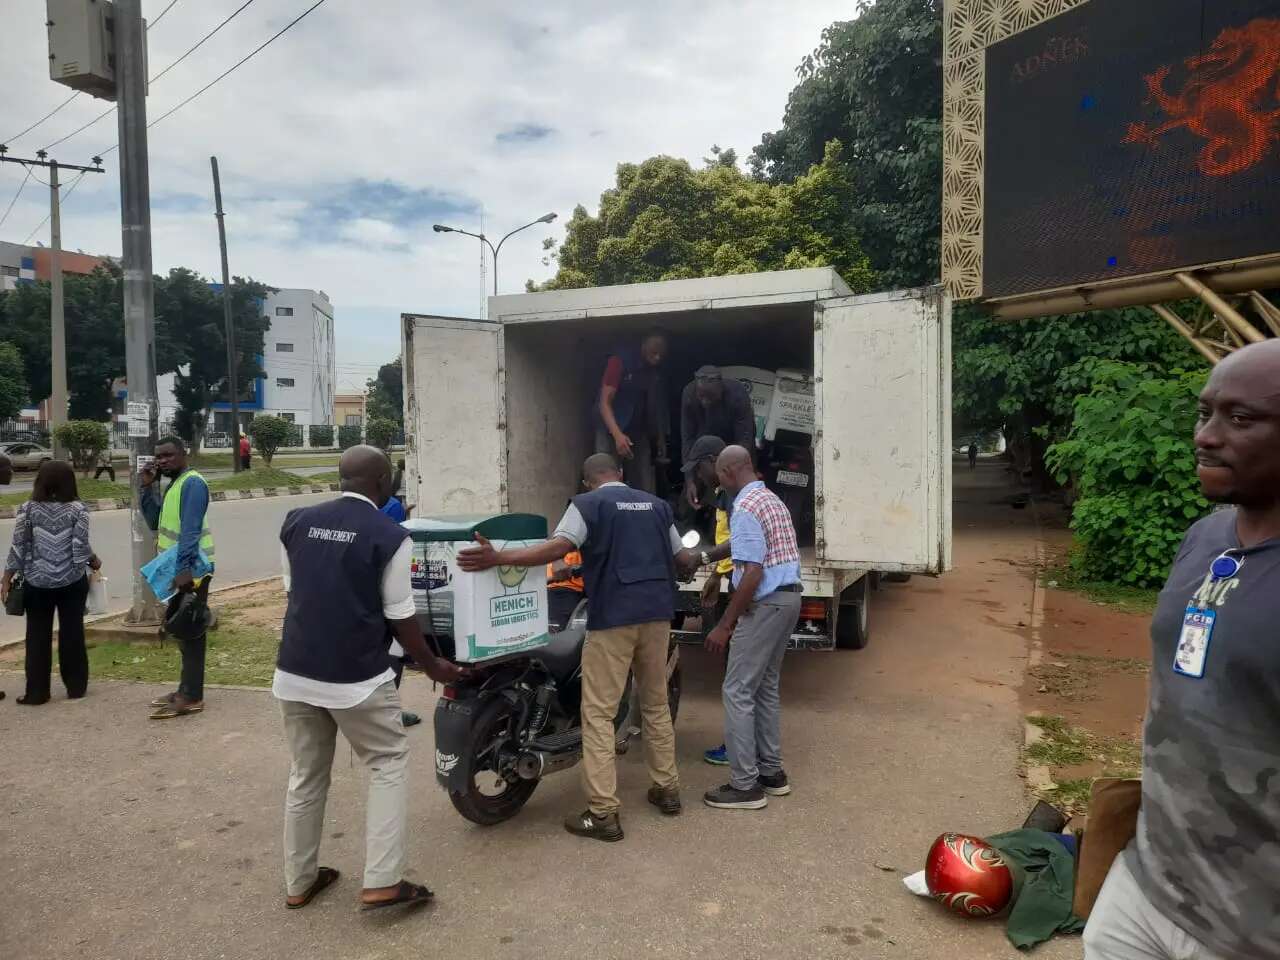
[[874, 84], [13, 380], [665, 220], [386, 393]]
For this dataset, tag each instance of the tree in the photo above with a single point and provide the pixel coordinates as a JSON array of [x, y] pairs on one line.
[[93, 306], [85, 440], [874, 84], [382, 432], [665, 220], [1131, 455], [386, 393], [1024, 376], [269, 435], [13, 381], [191, 342]]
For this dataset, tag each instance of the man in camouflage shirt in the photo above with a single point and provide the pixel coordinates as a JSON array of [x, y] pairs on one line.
[[1201, 880]]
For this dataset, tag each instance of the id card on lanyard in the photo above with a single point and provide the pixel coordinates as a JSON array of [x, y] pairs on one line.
[[1192, 652]]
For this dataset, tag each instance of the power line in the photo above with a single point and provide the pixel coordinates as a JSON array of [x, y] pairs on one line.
[[70, 190], [15, 197], [23, 133], [201, 42]]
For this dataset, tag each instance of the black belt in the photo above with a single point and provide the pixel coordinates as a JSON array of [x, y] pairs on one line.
[[791, 588]]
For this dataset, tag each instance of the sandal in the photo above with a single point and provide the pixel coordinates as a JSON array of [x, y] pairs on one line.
[[179, 708], [406, 893], [325, 877]]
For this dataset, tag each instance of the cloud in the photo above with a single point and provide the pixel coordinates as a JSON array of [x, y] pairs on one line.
[[524, 133], [341, 143]]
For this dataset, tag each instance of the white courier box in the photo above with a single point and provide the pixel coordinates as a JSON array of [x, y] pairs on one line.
[[490, 614]]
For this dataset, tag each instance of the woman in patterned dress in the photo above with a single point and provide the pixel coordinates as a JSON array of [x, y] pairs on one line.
[[51, 550]]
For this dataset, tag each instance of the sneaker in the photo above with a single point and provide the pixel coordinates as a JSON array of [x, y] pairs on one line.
[[776, 785], [665, 799], [729, 797], [409, 719], [596, 826], [717, 756]]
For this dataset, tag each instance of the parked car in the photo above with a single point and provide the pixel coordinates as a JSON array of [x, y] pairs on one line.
[[26, 456]]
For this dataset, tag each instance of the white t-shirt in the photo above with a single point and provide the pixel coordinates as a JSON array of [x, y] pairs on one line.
[[397, 604]]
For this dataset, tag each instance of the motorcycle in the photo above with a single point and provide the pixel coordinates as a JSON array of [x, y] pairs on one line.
[[516, 719]]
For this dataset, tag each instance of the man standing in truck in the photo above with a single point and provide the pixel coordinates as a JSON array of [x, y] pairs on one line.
[[628, 544], [712, 406], [629, 413]]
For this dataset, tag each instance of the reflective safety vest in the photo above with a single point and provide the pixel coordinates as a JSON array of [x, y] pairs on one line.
[[171, 518]]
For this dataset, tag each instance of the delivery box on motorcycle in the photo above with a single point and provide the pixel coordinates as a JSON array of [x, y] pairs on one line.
[[486, 615]]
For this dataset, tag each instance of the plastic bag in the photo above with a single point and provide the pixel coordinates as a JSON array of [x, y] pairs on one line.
[[96, 604]]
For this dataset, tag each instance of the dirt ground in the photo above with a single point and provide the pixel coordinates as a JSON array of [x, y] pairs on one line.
[[125, 838]]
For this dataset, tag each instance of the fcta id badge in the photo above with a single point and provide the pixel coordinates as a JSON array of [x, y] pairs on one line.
[[1193, 644]]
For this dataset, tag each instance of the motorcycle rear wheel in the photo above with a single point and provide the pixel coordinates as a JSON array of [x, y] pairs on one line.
[[488, 809]]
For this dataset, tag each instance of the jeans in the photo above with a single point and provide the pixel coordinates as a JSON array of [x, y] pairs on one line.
[[639, 471], [191, 684], [73, 660]]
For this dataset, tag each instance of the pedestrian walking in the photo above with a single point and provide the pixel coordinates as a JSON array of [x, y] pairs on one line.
[[628, 544], [1201, 878], [105, 465], [761, 616], [973, 454], [245, 450], [181, 520], [346, 570], [51, 552]]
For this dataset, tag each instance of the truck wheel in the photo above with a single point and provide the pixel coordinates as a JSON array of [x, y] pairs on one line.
[[851, 625], [490, 798]]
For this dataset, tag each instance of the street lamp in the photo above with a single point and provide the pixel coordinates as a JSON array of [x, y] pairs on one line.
[[441, 228]]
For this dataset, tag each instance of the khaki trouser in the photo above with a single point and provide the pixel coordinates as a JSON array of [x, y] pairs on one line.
[[374, 730], [607, 656]]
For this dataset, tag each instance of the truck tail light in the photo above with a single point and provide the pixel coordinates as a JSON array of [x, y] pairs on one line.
[[813, 610]]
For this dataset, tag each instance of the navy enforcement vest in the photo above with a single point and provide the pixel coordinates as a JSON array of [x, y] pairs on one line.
[[334, 630], [627, 564]]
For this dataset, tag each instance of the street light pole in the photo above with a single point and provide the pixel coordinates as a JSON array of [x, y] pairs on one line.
[[441, 228]]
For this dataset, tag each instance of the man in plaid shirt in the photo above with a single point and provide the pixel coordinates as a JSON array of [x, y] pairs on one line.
[[761, 617]]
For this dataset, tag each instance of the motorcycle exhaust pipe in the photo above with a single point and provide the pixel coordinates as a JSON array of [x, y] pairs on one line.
[[536, 764]]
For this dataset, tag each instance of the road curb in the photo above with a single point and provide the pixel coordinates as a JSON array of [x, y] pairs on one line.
[[217, 496]]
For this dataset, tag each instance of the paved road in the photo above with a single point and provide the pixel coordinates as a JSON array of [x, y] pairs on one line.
[[245, 532], [155, 834]]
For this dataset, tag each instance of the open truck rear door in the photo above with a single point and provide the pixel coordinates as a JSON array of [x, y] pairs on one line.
[[883, 462], [454, 390]]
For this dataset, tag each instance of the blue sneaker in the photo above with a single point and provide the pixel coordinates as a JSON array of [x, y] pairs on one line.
[[717, 757]]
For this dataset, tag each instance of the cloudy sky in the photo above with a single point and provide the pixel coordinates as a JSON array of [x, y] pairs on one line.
[[342, 142]]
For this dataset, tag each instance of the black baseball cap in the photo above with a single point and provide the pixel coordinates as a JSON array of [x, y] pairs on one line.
[[708, 373], [703, 447]]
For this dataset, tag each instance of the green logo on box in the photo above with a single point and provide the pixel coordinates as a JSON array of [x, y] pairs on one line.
[[512, 608]]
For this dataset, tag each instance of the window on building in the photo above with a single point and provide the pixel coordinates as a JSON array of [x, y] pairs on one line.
[[6, 271], [284, 311], [287, 417], [284, 348], [284, 381], [355, 420]]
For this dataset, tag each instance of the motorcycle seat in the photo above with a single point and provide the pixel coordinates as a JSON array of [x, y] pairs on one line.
[[563, 653]]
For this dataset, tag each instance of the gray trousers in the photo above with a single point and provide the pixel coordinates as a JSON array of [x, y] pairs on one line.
[[752, 704], [639, 471], [374, 730], [1125, 925]]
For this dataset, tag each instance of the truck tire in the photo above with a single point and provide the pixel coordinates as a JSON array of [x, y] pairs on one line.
[[852, 625]]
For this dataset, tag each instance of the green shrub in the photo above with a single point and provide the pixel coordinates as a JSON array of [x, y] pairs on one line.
[[320, 435], [348, 437], [383, 432], [269, 435], [1131, 458], [85, 440]]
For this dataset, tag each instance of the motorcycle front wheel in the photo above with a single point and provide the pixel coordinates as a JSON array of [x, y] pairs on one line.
[[490, 798]]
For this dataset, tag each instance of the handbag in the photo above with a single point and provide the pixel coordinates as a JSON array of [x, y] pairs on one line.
[[16, 603], [96, 602]]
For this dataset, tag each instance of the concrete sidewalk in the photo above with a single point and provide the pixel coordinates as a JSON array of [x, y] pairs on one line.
[[127, 838]]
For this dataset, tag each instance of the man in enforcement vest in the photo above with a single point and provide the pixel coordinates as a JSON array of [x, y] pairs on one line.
[[180, 519], [346, 569], [628, 541]]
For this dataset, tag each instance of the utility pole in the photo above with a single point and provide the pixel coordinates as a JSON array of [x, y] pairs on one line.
[[226, 319], [57, 318], [139, 295]]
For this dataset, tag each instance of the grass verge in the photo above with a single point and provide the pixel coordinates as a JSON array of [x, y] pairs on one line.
[[1062, 747], [258, 478], [222, 461], [238, 653], [88, 489], [1124, 597]]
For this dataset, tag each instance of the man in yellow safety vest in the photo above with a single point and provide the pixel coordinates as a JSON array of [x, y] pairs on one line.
[[180, 520]]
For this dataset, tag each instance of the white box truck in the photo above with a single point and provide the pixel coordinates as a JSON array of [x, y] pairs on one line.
[[497, 411]]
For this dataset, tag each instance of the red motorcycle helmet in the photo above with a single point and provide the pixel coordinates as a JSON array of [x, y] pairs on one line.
[[968, 876]]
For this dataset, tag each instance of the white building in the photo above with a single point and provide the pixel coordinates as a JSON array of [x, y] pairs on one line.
[[298, 364]]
